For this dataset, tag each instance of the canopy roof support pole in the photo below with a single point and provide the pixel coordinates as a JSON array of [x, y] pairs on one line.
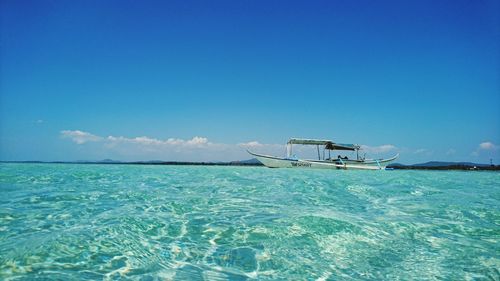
[[319, 157], [288, 150]]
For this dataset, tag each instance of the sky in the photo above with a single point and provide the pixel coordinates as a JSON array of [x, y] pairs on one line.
[[205, 80]]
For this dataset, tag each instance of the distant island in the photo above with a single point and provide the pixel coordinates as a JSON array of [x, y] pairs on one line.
[[249, 162], [438, 165], [432, 165]]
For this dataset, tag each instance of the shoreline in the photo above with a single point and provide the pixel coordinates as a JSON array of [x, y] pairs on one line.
[[249, 163], [166, 163]]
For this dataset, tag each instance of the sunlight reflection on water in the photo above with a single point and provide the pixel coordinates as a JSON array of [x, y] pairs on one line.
[[68, 221]]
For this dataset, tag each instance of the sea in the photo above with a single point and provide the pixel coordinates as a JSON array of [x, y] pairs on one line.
[[155, 222]]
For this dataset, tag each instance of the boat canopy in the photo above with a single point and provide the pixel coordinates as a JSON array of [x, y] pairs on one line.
[[330, 145], [309, 141], [342, 146]]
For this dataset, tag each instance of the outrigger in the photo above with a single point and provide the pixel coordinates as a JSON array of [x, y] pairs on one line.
[[323, 163]]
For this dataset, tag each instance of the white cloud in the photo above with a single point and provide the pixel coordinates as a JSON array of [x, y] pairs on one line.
[[147, 141], [197, 141], [144, 140], [80, 137], [197, 148], [143, 147], [379, 149], [251, 144], [451, 151], [488, 146], [265, 148], [420, 151]]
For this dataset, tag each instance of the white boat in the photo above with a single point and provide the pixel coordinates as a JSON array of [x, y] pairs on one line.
[[325, 162]]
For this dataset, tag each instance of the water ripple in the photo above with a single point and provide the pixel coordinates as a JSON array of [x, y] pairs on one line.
[[88, 222]]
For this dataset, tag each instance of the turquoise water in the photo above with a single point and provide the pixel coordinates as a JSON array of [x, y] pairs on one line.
[[132, 222]]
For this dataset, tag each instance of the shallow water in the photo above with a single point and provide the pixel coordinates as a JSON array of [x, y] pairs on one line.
[[68, 221]]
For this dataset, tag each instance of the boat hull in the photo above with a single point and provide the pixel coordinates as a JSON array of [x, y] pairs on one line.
[[276, 162]]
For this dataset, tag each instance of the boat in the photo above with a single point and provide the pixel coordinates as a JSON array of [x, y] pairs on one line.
[[325, 162]]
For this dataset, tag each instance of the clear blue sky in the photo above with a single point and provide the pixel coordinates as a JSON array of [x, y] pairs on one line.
[[420, 77]]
